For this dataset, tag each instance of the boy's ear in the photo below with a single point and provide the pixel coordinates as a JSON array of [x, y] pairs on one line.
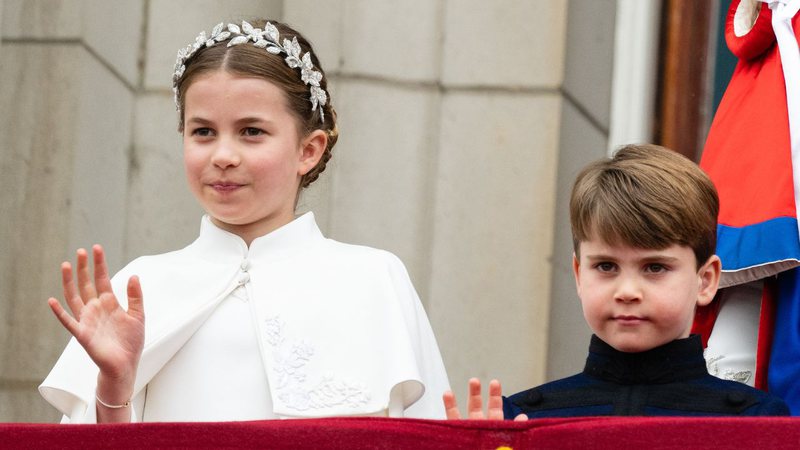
[[576, 265], [311, 149], [708, 277]]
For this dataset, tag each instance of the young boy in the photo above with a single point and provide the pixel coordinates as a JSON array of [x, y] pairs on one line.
[[644, 233]]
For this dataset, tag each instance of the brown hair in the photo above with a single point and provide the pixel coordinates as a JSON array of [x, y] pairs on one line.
[[250, 61], [645, 196]]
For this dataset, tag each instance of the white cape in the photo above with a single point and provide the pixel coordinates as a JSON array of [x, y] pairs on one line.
[[341, 328]]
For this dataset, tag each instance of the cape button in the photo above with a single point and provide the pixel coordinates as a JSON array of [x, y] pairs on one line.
[[736, 398], [243, 279], [245, 265], [534, 397]]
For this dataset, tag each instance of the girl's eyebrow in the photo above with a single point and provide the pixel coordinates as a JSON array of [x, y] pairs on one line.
[[198, 120], [243, 120], [248, 120]]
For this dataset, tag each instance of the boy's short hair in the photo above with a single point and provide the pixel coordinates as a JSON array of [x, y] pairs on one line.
[[645, 196]]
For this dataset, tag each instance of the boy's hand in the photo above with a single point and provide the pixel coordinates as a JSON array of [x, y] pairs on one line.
[[475, 403]]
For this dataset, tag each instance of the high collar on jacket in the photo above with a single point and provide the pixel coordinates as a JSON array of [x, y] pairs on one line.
[[217, 243], [680, 359]]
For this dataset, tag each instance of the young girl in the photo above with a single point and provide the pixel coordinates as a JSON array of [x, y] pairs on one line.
[[261, 317]]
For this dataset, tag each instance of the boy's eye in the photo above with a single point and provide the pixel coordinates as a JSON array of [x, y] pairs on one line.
[[605, 266], [655, 268]]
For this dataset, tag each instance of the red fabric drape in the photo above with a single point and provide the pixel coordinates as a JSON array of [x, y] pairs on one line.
[[377, 433]]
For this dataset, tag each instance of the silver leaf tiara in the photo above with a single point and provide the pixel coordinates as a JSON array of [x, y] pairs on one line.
[[268, 39]]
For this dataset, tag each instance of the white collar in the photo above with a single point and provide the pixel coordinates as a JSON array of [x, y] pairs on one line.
[[215, 243]]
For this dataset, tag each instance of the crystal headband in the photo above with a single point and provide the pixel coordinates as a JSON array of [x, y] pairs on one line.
[[268, 39]]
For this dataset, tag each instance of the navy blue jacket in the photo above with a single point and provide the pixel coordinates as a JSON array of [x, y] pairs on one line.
[[670, 380]]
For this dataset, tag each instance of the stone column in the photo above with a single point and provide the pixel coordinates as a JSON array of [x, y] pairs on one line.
[[501, 71], [68, 76]]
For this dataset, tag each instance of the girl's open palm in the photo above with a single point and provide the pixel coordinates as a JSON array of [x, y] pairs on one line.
[[111, 336]]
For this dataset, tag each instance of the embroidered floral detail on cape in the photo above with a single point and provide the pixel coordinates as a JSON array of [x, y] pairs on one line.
[[295, 390]]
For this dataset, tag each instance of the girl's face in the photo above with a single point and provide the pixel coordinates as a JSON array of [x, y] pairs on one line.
[[243, 153]]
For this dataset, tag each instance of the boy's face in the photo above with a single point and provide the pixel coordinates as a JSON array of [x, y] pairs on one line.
[[637, 299]]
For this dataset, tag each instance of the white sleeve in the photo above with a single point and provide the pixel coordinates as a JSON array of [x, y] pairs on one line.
[[429, 360]]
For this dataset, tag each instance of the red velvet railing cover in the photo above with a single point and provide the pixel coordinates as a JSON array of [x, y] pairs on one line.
[[376, 433]]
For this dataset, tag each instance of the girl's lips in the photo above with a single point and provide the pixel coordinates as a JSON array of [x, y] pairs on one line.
[[225, 187]]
